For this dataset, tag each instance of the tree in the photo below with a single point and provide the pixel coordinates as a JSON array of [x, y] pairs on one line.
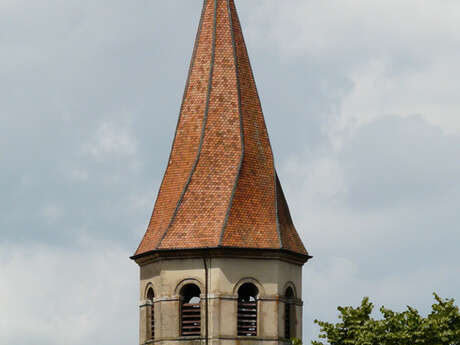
[[357, 327]]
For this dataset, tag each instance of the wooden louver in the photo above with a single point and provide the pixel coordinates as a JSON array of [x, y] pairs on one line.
[[191, 319], [287, 320], [247, 318], [152, 321]]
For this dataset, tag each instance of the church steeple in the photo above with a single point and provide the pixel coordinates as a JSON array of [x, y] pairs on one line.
[[221, 261], [220, 188]]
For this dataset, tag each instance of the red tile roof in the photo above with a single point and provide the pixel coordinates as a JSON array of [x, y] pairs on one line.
[[220, 188]]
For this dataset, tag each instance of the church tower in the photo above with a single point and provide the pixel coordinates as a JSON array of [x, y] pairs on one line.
[[221, 261]]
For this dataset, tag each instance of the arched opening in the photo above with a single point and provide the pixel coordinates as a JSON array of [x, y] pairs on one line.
[[288, 317], [151, 314], [190, 310], [247, 310]]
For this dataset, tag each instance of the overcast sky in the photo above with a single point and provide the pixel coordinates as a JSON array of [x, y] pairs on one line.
[[362, 102]]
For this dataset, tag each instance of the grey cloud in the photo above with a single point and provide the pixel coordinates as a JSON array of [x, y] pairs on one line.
[[395, 160], [390, 229], [54, 295], [70, 69], [90, 93]]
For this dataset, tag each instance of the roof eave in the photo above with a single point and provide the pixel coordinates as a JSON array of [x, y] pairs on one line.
[[228, 252]]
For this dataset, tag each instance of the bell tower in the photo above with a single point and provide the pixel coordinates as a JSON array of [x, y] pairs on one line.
[[221, 261]]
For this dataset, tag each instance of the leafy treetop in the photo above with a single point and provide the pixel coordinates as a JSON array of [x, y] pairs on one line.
[[440, 327]]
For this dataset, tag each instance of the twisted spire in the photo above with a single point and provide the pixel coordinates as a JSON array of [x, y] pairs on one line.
[[220, 188]]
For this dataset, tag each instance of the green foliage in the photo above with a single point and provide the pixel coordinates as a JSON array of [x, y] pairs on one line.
[[296, 341], [440, 327]]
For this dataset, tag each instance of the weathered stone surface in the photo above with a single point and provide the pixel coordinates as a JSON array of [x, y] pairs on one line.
[[225, 275]]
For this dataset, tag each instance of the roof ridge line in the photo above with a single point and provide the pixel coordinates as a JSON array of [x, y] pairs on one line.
[[230, 204], [278, 229], [205, 118]]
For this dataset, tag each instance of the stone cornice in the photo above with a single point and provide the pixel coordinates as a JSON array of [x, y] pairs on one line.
[[221, 252]]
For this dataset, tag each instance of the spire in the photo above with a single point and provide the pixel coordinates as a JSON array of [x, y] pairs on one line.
[[220, 188]]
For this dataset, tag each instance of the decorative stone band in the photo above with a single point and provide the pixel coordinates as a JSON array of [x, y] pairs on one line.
[[295, 301], [222, 252], [146, 303], [261, 339]]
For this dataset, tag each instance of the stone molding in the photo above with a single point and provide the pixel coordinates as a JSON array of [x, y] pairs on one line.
[[255, 282], [240, 338], [295, 301], [222, 252], [187, 281]]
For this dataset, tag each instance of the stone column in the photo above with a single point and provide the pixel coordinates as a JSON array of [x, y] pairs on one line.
[[145, 310]]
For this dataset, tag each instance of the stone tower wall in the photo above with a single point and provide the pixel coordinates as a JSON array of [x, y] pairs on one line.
[[225, 275]]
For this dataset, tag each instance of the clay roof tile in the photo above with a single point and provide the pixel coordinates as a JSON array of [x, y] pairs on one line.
[[220, 188]]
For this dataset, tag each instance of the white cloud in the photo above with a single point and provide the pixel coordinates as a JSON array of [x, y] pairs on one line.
[[322, 176], [51, 213], [79, 174], [338, 281], [375, 198], [52, 295], [110, 139], [379, 215], [428, 92], [401, 56], [359, 31]]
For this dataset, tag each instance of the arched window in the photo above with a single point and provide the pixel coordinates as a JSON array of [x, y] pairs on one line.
[[247, 310], [190, 310], [150, 297], [288, 317]]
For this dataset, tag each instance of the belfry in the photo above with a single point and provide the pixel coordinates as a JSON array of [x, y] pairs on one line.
[[221, 261]]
